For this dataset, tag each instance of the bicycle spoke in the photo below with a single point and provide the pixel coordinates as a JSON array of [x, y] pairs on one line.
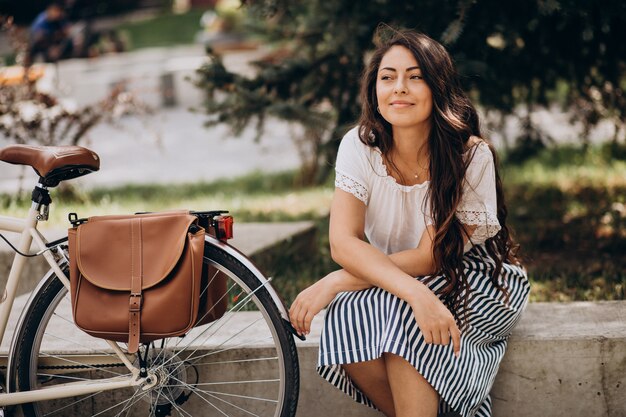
[[90, 350], [229, 348], [212, 353], [88, 397], [205, 400], [65, 359], [212, 405], [71, 404], [194, 388], [217, 272], [55, 314], [239, 306], [156, 400], [232, 337], [209, 336], [251, 381], [127, 412], [179, 409], [76, 343], [233, 405], [129, 403], [205, 314], [241, 396], [242, 302], [217, 398], [237, 361]]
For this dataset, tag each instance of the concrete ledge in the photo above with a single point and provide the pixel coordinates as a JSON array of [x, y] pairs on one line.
[[563, 360]]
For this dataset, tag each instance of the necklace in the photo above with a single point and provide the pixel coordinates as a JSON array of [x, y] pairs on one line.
[[416, 174], [422, 169]]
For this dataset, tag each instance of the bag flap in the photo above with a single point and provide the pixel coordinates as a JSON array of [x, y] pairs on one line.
[[104, 254]]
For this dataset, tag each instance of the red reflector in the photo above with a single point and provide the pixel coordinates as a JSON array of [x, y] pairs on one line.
[[224, 227]]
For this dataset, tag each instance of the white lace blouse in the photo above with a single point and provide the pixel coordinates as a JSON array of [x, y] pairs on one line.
[[397, 215]]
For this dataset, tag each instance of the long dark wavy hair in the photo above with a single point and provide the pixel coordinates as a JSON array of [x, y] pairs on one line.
[[453, 121]]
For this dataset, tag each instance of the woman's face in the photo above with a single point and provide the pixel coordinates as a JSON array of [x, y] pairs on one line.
[[404, 98]]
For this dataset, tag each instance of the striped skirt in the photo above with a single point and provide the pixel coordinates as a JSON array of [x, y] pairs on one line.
[[362, 325]]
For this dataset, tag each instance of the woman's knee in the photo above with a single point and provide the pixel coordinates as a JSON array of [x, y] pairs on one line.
[[374, 371], [412, 393], [371, 378]]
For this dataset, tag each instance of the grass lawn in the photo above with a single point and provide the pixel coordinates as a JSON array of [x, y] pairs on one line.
[[254, 197], [567, 208], [167, 29]]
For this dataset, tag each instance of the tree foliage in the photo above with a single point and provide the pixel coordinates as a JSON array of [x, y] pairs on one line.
[[528, 52]]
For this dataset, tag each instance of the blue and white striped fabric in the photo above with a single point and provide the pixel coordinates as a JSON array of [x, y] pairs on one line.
[[361, 325]]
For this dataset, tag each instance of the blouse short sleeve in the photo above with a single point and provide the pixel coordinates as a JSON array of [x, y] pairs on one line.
[[351, 169], [478, 206]]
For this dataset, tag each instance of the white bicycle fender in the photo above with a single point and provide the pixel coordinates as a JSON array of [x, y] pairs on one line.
[[235, 253]]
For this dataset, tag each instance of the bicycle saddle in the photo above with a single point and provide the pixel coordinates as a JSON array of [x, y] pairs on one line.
[[53, 163]]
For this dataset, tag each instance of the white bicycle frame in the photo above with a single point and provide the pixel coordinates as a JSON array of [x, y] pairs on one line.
[[29, 235]]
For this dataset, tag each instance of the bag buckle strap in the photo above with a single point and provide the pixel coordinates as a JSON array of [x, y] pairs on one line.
[[134, 321], [134, 303]]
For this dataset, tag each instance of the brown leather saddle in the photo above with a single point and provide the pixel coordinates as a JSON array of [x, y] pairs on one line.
[[53, 164]]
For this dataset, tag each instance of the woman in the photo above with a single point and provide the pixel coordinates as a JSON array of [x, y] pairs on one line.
[[415, 179]]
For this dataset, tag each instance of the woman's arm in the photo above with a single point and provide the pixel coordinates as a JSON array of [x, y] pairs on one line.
[[411, 261], [374, 268], [359, 258], [415, 262]]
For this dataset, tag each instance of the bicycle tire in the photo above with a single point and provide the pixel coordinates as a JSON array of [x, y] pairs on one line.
[[37, 365]]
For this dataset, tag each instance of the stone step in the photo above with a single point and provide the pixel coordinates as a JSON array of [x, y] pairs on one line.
[[563, 360]]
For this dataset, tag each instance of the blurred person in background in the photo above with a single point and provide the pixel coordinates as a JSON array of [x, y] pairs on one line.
[[49, 35]]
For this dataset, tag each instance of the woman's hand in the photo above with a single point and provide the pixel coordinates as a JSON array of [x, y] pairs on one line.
[[435, 320], [310, 302]]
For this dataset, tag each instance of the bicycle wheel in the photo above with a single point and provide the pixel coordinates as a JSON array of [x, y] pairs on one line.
[[244, 364]]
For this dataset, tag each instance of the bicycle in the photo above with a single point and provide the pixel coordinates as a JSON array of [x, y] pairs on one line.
[[56, 369]]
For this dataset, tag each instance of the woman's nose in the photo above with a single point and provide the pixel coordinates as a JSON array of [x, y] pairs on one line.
[[400, 86]]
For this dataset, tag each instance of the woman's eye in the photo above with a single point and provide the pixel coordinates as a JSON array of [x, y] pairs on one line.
[[385, 77], [416, 77]]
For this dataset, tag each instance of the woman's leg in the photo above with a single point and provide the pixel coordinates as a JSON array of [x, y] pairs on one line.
[[371, 378], [412, 395]]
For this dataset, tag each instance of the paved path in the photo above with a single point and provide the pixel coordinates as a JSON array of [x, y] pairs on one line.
[[171, 145]]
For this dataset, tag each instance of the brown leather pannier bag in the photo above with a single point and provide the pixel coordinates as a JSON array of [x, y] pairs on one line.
[[139, 278]]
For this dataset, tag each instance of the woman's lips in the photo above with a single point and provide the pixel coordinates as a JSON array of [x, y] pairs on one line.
[[401, 104]]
